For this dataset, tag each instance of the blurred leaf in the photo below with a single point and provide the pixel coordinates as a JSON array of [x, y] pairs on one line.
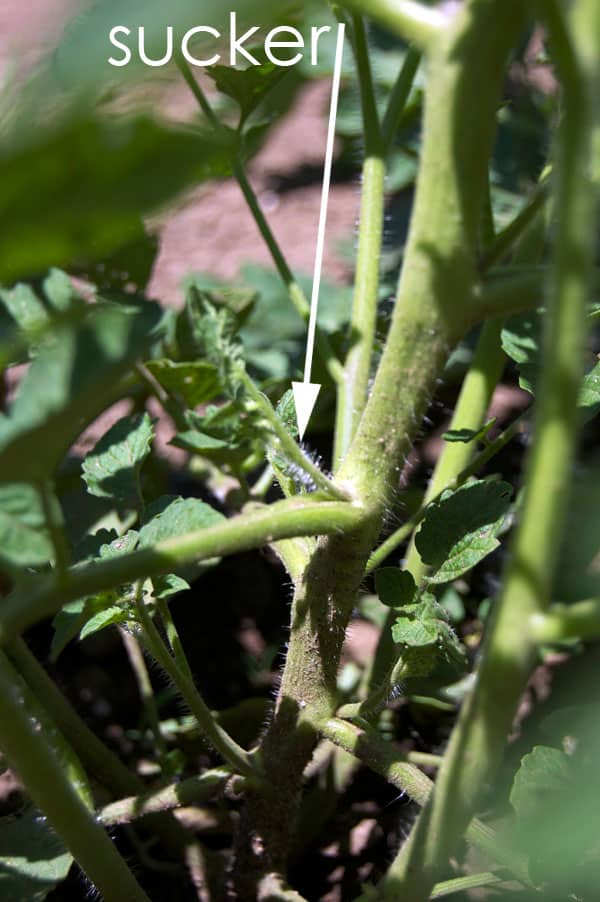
[[247, 86], [395, 588], [102, 619], [128, 269], [521, 340], [33, 860], [542, 771], [112, 468], [577, 574], [468, 435], [68, 384], [169, 585], [78, 191], [196, 383], [460, 529], [24, 540]]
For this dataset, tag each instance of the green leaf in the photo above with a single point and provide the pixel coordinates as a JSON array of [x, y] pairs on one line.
[[33, 860], [73, 617], [247, 86], [589, 396], [396, 588], [68, 384], [468, 435], [542, 771], [102, 619], [77, 192], [196, 383], [180, 516], [169, 585], [112, 468], [24, 540], [414, 633], [460, 529], [521, 340]]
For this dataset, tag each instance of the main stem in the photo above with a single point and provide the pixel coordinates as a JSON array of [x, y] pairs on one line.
[[434, 305]]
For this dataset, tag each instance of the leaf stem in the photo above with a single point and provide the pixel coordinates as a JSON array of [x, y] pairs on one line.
[[29, 752], [385, 759], [193, 791], [399, 98], [220, 740], [296, 294], [55, 525], [289, 447], [301, 516], [142, 678]]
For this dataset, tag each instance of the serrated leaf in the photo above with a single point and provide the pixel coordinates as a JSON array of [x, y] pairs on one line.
[[396, 588], [33, 860], [102, 619], [24, 540], [112, 468], [68, 384], [414, 633], [460, 529], [196, 382], [179, 517]]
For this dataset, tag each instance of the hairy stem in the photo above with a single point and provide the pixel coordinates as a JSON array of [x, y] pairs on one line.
[[44, 596], [353, 390], [29, 752], [193, 791], [477, 743]]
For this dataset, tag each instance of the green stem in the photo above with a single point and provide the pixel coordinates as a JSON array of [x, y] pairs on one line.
[[194, 791], [142, 678], [414, 22], [55, 525], [385, 759], [296, 294], [174, 638], [220, 740], [478, 740], [353, 390], [463, 884], [301, 516], [399, 98], [508, 237], [95, 756], [29, 752], [288, 446], [580, 620]]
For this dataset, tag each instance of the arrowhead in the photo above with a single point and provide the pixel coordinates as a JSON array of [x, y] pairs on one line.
[[305, 396]]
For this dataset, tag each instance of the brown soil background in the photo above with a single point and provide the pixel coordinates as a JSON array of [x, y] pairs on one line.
[[210, 229]]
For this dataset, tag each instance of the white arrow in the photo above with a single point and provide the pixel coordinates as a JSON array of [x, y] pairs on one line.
[[306, 392]]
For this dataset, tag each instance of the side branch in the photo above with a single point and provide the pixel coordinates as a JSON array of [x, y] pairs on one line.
[[44, 596]]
